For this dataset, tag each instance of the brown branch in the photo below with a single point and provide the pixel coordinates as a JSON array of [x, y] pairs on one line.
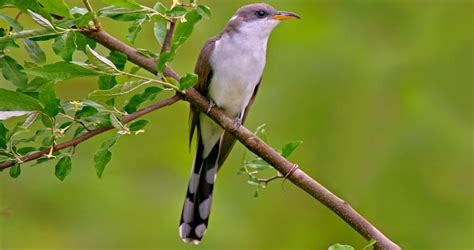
[[168, 37], [76, 141], [248, 139], [257, 146]]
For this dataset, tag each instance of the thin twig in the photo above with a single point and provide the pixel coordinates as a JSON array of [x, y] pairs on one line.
[[74, 142], [169, 36]]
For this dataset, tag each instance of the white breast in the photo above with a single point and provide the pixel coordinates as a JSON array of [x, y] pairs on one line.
[[238, 61]]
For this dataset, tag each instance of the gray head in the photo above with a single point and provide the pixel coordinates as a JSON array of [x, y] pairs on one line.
[[260, 18]]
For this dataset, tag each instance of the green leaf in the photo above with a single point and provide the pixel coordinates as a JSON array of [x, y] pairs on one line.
[[16, 104], [134, 30], [84, 19], [288, 149], [117, 123], [338, 246], [162, 61], [57, 7], [100, 62], [3, 136], [131, 4], [204, 11], [11, 71], [122, 14], [63, 168], [65, 45], [184, 30], [30, 119], [118, 90], [103, 156], [15, 171], [51, 103], [61, 71], [34, 51], [187, 81], [118, 59], [41, 20], [138, 125], [101, 159], [35, 85], [176, 11], [35, 35], [33, 138], [160, 8], [160, 29], [262, 133], [25, 5], [372, 242], [12, 22], [86, 111], [149, 94], [82, 41]]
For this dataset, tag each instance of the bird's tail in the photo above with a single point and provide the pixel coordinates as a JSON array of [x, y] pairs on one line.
[[197, 205]]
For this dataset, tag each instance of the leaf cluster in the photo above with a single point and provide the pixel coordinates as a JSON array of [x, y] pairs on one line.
[[43, 118]]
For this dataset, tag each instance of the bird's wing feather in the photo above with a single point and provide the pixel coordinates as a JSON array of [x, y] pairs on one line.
[[204, 71], [228, 140]]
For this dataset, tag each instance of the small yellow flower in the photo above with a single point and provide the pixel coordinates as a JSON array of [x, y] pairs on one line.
[[76, 105]]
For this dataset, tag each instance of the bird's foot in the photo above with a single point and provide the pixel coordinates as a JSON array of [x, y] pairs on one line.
[[237, 123], [211, 105]]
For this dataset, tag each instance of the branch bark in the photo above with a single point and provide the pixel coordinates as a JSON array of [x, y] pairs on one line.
[[246, 137], [76, 141]]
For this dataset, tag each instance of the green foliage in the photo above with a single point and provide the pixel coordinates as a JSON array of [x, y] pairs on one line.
[[338, 246], [65, 45], [119, 92], [63, 168], [103, 156], [15, 171], [12, 71], [61, 71], [188, 81], [57, 7]]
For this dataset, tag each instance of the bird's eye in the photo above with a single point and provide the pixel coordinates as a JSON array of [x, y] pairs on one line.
[[261, 13]]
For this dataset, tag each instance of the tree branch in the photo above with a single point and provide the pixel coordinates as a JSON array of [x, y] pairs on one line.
[[247, 138], [76, 141], [257, 146]]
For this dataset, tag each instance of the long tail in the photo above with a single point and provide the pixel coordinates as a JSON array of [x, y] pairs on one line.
[[197, 205]]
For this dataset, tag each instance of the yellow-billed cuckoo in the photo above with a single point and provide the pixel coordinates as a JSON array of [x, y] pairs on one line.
[[230, 69]]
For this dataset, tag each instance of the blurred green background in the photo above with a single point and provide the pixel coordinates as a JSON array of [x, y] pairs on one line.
[[381, 93]]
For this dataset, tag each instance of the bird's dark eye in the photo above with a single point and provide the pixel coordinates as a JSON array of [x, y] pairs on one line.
[[261, 13]]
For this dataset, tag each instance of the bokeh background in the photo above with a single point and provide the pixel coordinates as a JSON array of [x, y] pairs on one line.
[[381, 93]]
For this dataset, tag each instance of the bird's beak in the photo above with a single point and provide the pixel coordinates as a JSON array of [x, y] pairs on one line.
[[284, 15]]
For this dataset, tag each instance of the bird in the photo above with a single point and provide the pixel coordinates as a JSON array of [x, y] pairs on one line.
[[229, 68]]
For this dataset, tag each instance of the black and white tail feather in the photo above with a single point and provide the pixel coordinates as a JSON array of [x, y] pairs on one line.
[[197, 205]]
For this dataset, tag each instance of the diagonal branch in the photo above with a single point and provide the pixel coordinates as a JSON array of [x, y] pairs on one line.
[[247, 138], [76, 141], [257, 146]]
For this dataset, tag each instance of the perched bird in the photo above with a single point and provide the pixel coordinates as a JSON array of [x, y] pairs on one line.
[[230, 68]]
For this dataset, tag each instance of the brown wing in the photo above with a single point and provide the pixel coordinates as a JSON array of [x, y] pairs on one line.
[[204, 71], [228, 140]]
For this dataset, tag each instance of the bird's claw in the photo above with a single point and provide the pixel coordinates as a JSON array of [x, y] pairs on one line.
[[211, 105], [237, 123]]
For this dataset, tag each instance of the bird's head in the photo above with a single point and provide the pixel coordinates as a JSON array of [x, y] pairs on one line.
[[259, 18]]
